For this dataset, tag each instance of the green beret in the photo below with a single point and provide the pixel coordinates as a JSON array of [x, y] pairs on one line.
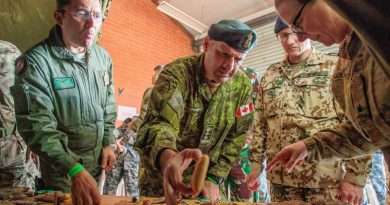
[[279, 25], [234, 33]]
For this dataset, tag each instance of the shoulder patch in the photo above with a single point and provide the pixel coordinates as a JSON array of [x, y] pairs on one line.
[[21, 66]]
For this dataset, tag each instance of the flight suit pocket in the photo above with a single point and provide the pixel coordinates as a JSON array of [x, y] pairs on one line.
[[67, 104], [81, 137], [315, 97], [102, 83]]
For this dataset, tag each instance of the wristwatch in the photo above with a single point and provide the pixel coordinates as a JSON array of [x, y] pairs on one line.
[[215, 179]]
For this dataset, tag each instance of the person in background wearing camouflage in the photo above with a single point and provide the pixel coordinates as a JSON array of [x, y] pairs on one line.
[[295, 102], [145, 99], [200, 104], [126, 164], [360, 83], [235, 185], [64, 102], [13, 150]]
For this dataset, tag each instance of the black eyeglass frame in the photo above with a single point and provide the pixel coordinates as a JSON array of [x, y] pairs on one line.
[[294, 27]]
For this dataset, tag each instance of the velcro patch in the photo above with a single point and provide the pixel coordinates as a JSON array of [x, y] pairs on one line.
[[64, 83]]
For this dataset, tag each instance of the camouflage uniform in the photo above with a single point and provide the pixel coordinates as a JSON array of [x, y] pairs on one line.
[[144, 107], [126, 167], [361, 85], [295, 102], [235, 182], [65, 107], [13, 167], [183, 113]]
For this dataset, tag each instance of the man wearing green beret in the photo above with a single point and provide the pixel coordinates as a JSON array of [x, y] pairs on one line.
[[200, 104]]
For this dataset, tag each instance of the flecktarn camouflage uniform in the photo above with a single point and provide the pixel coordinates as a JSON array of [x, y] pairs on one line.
[[294, 103]]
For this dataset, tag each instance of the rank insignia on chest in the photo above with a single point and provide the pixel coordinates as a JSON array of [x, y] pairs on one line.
[[244, 110], [106, 79]]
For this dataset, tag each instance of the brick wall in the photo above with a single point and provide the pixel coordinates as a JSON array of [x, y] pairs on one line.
[[139, 37]]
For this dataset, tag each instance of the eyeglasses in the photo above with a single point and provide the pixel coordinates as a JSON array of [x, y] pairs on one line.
[[84, 15], [284, 36], [294, 26]]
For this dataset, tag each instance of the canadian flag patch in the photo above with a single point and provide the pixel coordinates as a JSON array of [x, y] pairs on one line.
[[244, 110]]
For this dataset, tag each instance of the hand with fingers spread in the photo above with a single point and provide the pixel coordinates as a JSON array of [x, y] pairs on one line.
[[172, 165], [253, 179], [108, 158], [350, 193], [84, 189], [289, 156]]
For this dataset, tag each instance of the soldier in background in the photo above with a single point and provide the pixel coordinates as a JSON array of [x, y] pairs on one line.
[[14, 164], [236, 186], [145, 99], [199, 104], [295, 102], [126, 164]]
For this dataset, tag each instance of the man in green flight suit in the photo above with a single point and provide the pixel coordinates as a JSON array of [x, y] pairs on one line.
[[200, 104], [64, 102]]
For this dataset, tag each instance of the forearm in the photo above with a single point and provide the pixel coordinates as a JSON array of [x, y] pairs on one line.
[[49, 144], [343, 141], [162, 137], [164, 157]]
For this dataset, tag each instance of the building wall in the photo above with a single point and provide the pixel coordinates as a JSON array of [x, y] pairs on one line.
[[139, 37]]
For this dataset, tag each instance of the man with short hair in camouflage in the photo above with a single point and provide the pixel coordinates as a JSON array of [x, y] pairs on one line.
[[295, 102], [126, 164], [145, 98], [13, 166], [200, 104]]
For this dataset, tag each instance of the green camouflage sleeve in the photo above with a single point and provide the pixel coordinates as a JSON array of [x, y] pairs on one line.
[[235, 140], [109, 112], [258, 146], [166, 108], [35, 118]]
